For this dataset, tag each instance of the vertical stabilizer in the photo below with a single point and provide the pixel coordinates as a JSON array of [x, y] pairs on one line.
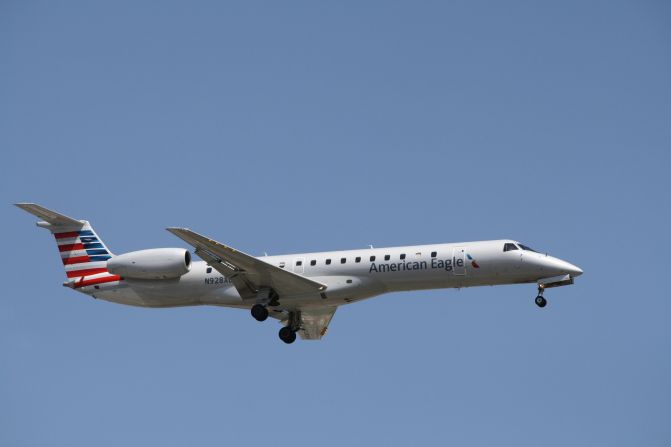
[[83, 253]]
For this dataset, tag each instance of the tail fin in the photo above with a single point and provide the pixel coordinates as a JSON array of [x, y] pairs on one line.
[[83, 253]]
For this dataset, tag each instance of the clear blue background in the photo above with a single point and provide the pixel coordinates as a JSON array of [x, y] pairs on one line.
[[300, 126]]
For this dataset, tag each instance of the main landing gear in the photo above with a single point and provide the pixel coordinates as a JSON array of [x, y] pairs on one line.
[[265, 297], [540, 300], [259, 312], [288, 333]]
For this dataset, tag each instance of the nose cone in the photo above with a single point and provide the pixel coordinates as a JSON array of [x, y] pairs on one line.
[[568, 269], [574, 270], [549, 265]]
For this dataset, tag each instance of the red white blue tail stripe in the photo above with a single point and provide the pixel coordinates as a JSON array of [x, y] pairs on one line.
[[84, 257]]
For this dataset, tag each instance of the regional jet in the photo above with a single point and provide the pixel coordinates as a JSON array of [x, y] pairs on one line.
[[301, 290]]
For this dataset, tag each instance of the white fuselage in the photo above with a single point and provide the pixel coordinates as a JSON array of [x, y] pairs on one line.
[[351, 275]]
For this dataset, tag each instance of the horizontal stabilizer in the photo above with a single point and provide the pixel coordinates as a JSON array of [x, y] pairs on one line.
[[52, 217]]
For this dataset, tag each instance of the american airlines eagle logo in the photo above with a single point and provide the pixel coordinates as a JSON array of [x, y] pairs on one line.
[[473, 263]]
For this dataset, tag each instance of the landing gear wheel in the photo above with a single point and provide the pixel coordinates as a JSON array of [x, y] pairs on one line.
[[287, 335], [259, 312], [540, 301]]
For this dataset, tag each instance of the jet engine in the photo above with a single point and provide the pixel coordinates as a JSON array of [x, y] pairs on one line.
[[155, 263]]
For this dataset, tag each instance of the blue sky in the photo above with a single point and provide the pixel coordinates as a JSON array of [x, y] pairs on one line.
[[308, 126]]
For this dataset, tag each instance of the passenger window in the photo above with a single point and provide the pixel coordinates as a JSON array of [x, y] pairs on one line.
[[386, 257], [343, 260], [509, 247], [328, 262], [357, 259], [299, 263], [209, 270], [282, 264], [434, 254], [372, 258], [403, 256], [313, 262]]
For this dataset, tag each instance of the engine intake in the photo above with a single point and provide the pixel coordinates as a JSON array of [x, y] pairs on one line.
[[155, 263]]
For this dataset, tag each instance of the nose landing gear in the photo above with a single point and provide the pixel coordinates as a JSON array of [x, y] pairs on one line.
[[540, 300]]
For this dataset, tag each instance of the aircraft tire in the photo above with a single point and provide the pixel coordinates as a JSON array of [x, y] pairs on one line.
[[540, 301], [287, 335], [259, 312]]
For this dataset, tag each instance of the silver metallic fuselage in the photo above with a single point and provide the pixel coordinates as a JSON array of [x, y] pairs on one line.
[[437, 266]]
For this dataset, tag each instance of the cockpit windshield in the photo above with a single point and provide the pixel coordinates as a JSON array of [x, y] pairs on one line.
[[524, 247], [508, 246]]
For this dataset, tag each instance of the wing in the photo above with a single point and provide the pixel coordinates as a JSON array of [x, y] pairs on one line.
[[248, 274]]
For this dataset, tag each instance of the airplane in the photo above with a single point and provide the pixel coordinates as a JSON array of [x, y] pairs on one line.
[[301, 290]]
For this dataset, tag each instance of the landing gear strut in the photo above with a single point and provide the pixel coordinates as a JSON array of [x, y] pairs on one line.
[[259, 312], [540, 300]]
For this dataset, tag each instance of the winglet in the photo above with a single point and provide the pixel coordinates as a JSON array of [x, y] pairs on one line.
[[51, 217]]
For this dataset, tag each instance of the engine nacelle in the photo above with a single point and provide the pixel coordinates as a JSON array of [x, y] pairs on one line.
[[155, 263]]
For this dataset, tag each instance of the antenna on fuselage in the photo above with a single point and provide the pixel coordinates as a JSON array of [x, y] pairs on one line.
[[371, 245]]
